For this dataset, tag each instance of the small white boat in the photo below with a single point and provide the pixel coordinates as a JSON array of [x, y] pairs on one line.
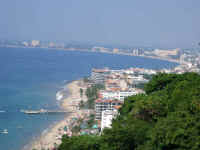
[[2, 111], [5, 131]]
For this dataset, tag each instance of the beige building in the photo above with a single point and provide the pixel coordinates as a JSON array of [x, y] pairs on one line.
[[115, 50], [35, 43], [166, 53]]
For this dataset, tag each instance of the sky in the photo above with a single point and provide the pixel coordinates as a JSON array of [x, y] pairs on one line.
[[165, 23]]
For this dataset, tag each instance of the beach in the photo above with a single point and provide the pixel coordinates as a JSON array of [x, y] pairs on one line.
[[52, 137], [38, 75]]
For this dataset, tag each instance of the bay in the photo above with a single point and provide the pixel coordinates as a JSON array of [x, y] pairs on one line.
[[30, 78]]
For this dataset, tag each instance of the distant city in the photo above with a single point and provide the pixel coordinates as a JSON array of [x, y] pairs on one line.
[[189, 59]]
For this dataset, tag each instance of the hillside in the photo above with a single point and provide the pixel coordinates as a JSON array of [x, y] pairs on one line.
[[167, 117]]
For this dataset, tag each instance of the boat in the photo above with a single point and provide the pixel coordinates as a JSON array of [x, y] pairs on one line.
[[5, 131], [2, 111]]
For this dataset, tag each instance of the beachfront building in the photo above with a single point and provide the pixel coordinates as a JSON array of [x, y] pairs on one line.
[[106, 118], [98, 76], [134, 80], [105, 104], [118, 95], [35, 43], [140, 71]]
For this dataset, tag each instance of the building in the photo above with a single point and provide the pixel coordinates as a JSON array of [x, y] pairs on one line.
[[25, 43], [118, 95], [166, 53], [182, 58], [115, 50], [105, 104], [35, 43], [98, 76], [135, 52], [106, 118]]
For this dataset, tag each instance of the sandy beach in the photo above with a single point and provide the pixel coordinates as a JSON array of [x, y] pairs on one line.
[[53, 136]]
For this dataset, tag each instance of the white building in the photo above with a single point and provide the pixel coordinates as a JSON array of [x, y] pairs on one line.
[[106, 118], [137, 78], [35, 43], [119, 95]]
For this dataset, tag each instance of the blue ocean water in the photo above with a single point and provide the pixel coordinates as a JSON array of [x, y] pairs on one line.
[[30, 78]]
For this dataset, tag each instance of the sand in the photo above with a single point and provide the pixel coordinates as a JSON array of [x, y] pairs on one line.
[[53, 136]]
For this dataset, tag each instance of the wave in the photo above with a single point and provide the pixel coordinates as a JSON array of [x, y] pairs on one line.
[[45, 131], [59, 96]]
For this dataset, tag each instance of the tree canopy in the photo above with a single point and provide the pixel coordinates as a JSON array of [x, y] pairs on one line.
[[167, 117]]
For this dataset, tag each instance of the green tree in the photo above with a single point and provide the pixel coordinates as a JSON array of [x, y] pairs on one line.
[[80, 143], [81, 92], [167, 117]]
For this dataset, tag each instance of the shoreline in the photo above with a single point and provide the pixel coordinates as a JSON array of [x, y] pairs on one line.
[[86, 50], [51, 136]]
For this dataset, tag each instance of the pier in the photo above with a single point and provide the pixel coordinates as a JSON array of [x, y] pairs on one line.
[[43, 111]]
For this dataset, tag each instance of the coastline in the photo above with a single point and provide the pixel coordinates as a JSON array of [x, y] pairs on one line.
[[51, 124], [52, 135], [85, 50]]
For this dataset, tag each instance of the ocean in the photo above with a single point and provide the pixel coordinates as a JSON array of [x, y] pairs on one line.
[[30, 78]]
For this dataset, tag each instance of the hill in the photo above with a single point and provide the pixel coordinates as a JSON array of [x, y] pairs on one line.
[[167, 117]]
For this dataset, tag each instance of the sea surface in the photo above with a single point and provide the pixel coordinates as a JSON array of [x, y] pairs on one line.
[[30, 78]]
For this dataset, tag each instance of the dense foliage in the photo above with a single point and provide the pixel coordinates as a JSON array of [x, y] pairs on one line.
[[167, 117]]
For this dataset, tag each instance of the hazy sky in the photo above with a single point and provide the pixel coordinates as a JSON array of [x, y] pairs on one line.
[[171, 23]]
